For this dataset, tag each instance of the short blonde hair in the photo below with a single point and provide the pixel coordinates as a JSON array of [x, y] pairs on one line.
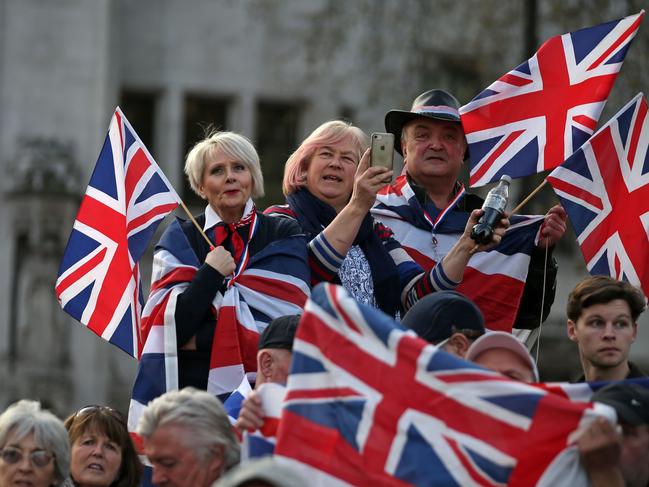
[[328, 133], [232, 145]]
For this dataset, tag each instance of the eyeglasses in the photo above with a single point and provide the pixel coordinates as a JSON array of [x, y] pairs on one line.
[[105, 409], [40, 458]]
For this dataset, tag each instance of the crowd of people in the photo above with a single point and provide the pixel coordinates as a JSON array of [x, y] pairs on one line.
[[392, 256]]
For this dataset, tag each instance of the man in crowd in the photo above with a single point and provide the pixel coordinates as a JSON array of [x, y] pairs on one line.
[[431, 139], [276, 350], [502, 352], [602, 321], [612, 459], [447, 319], [273, 364], [188, 439]]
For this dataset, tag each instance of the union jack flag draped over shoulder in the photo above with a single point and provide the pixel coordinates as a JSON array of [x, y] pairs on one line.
[[604, 187], [538, 114], [271, 283], [369, 403], [429, 237], [127, 197]]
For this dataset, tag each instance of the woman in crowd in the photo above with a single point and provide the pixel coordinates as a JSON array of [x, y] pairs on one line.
[[329, 192], [102, 453], [34, 447], [224, 169]]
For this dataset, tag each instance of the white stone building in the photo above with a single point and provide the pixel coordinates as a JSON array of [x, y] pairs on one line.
[[270, 69]]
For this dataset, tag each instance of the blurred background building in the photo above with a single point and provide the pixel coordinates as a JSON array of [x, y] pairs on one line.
[[270, 69]]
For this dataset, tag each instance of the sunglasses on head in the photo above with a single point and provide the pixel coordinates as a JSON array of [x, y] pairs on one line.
[[39, 458], [105, 409]]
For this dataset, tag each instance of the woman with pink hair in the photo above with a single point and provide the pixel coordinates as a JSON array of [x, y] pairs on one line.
[[330, 188]]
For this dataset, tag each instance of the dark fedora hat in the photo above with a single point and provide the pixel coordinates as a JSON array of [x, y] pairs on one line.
[[435, 104]]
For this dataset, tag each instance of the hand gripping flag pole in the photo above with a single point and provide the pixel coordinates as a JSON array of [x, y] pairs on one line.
[[127, 197]]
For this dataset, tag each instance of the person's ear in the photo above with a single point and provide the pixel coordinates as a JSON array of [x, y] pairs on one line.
[[215, 464], [571, 329], [265, 363], [303, 169], [460, 344]]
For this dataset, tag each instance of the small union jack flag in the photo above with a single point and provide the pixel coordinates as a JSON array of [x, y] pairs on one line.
[[127, 197], [604, 187], [261, 442], [369, 403], [538, 114]]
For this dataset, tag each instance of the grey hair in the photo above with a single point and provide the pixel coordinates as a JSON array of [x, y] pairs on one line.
[[26, 417], [199, 412], [232, 145]]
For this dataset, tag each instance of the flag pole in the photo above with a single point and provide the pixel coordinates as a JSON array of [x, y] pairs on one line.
[[198, 227], [529, 197]]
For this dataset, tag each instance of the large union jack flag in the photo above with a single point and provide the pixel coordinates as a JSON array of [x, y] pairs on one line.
[[369, 403], [127, 197], [604, 187], [538, 114]]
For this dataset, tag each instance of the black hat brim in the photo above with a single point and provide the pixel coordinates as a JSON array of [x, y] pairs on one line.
[[396, 119]]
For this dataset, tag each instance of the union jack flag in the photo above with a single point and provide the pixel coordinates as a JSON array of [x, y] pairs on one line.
[[369, 403], [235, 400], [583, 391], [538, 114], [127, 197], [604, 187], [261, 442], [273, 283], [428, 238]]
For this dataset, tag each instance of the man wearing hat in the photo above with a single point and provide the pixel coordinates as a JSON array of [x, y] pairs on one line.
[[447, 319], [502, 352], [275, 351], [611, 458], [431, 139]]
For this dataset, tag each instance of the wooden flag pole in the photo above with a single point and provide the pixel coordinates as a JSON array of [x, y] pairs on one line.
[[529, 197], [198, 227]]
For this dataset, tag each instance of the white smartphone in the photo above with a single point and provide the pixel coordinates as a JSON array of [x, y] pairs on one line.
[[382, 150]]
